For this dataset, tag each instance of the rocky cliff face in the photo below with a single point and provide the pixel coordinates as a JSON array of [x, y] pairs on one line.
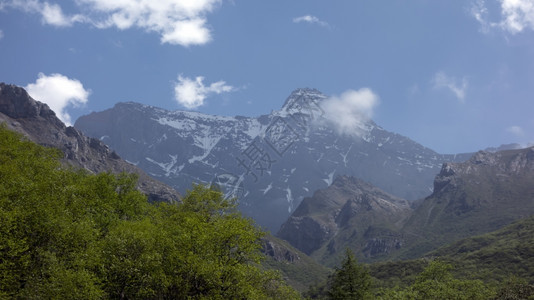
[[39, 123], [481, 195], [296, 267], [349, 213], [271, 162], [488, 191]]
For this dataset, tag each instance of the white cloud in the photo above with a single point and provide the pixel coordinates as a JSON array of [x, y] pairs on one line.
[[310, 19], [516, 130], [480, 12], [458, 87], [349, 112], [1, 34], [59, 92], [178, 22], [516, 15], [51, 14], [192, 93]]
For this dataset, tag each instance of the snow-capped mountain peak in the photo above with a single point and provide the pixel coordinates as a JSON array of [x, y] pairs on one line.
[[270, 162]]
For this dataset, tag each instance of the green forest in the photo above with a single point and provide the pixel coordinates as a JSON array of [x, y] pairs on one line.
[[69, 234]]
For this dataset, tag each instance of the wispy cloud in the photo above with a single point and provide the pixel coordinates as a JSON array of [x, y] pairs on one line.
[[456, 86], [1, 34], [516, 15], [349, 112], [178, 22], [517, 131], [59, 92], [51, 14], [191, 93], [310, 19]]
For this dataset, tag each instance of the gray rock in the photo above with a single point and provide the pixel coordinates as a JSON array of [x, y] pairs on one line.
[[39, 123]]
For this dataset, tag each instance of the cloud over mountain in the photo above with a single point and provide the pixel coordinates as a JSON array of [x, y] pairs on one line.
[[350, 111], [59, 92]]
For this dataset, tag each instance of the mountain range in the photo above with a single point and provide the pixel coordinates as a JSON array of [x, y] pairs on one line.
[[271, 162], [483, 194], [351, 208], [38, 123]]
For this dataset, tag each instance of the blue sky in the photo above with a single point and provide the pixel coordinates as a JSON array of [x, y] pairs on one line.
[[455, 76]]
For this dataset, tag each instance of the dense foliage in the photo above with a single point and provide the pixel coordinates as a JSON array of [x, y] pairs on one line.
[[68, 234], [350, 281], [493, 258], [437, 282]]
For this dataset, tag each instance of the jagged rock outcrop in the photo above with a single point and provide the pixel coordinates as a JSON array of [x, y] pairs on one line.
[[296, 267], [481, 195], [279, 252], [488, 191], [39, 123], [350, 213]]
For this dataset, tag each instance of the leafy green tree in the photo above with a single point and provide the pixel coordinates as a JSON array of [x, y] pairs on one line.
[[437, 282], [515, 288], [351, 280], [45, 243], [218, 250], [68, 234]]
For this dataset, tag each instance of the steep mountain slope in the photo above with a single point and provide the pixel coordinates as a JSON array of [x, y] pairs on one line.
[[270, 162], [349, 213], [495, 255], [492, 257], [39, 123], [299, 270], [481, 195]]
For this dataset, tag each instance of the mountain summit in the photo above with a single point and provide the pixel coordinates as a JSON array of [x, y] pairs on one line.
[[302, 100], [270, 163]]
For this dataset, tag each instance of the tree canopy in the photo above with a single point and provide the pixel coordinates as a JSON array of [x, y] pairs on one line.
[[65, 233], [351, 280]]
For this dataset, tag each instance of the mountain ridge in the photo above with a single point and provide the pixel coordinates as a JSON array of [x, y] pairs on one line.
[[483, 194], [270, 162], [480, 195]]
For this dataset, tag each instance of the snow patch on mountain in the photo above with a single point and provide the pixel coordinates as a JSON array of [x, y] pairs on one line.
[[289, 198], [166, 167], [268, 188], [330, 178], [206, 144]]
